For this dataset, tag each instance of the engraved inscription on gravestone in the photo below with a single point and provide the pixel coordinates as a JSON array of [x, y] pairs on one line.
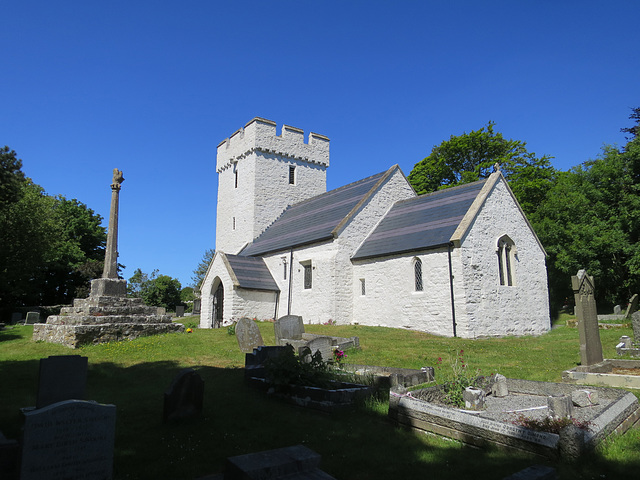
[[248, 335], [70, 439], [288, 327], [586, 311]]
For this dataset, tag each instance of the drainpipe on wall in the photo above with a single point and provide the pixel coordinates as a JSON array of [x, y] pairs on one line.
[[290, 281], [275, 314], [453, 303]]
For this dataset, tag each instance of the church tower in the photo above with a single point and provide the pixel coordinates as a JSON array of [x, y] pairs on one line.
[[260, 174]]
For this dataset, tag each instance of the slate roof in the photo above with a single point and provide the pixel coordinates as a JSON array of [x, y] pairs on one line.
[[422, 222], [251, 273], [314, 219]]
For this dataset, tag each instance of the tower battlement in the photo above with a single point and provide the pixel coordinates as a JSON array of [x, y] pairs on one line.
[[260, 135]]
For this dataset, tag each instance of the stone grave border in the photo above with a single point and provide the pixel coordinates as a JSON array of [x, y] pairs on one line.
[[601, 374], [472, 429]]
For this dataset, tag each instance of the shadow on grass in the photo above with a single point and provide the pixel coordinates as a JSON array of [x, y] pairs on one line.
[[356, 444]]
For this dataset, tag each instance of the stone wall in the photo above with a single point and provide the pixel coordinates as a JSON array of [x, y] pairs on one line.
[[261, 159], [493, 309]]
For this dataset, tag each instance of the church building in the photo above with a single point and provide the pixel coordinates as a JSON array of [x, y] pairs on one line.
[[463, 261]]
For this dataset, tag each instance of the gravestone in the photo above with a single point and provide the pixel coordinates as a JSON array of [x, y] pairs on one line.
[[586, 311], [70, 439], [184, 397], [16, 317], [617, 310], [32, 318], [635, 323], [61, 378], [179, 310], [288, 327], [322, 344], [248, 335], [196, 306], [633, 305]]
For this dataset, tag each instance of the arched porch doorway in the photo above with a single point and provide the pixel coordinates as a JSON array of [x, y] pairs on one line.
[[218, 305]]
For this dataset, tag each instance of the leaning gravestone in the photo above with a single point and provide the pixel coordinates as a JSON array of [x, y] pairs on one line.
[[248, 335], [633, 306], [69, 440], [61, 378], [586, 311], [32, 318], [288, 327], [324, 345], [184, 397]]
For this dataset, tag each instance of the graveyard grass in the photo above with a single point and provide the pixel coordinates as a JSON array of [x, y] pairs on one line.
[[356, 444]]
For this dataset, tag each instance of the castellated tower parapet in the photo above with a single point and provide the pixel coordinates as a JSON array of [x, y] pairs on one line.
[[260, 135], [260, 174]]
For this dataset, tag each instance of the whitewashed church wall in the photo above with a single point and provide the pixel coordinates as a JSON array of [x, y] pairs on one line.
[[314, 305], [395, 188], [260, 160], [391, 298], [235, 207], [253, 304], [274, 193], [217, 270], [493, 309]]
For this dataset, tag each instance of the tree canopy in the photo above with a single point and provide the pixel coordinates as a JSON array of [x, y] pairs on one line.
[[51, 246], [472, 156], [201, 270], [591, 219], [157, 290]]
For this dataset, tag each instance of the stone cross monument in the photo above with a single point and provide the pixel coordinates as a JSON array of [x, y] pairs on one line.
[[109, 284], [590, 345], [108, 315], [111, 255]]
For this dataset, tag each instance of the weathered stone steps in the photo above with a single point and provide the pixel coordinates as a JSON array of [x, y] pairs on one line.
[[104, 319]]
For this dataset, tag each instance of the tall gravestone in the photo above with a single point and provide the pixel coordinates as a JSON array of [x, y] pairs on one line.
[[184, 397], [70, 439], [108, 315], [248, 335], [288, 327], [587, 314], [61, 377]]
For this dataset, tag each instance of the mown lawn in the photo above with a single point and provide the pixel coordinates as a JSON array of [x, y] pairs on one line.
[[358, 444]]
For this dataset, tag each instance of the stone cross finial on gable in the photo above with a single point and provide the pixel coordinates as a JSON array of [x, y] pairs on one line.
[[496, 167]]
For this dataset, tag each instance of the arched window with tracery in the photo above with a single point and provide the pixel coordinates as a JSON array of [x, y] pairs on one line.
[[506, 254], [417, 273]]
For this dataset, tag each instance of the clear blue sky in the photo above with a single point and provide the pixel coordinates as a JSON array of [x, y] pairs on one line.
[[151, 87]]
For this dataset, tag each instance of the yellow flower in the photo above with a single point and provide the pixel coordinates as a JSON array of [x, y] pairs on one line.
[[189, 330]]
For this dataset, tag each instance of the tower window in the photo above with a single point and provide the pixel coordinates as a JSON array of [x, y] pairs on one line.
[[506, 254], [363, 290], [292, 175], [235, 172], [234, 223], [417, 273]]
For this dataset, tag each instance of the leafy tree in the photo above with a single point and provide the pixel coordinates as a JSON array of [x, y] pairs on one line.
[[201, 270], [591, 219], [633, 130], [154, 289], [187, 295], [471, 156], [51, 246], [11, 177]]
